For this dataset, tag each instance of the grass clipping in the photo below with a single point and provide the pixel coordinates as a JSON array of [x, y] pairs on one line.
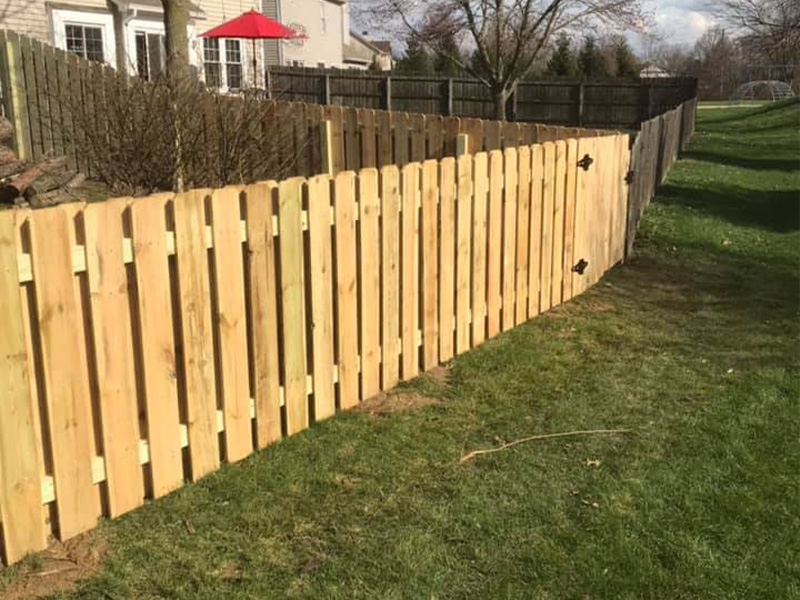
[[546, 436]]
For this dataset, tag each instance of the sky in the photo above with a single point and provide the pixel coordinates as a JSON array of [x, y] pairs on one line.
[[678, 21]]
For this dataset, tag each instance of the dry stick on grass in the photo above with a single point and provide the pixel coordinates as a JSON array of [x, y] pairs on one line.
[[546, 436]]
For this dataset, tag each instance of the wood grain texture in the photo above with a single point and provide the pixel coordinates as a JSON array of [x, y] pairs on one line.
[[321, 291], [535, 245], [390, 276], [495, 239], [409, 270], [231, 322], [196, 331], [463, 263], [157, 343], [290, 208], [263, 304], [430, 264], [569, 219], [369, 282], [559, 202], [523, 233], [480, 211], [548, 200], [346, 289], [509, 282], [66, 378], [20, 446], [447, 258], [113, 354]]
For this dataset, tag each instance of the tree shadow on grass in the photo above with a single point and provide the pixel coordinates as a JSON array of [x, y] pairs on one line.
[[758, 164], [777, 211]]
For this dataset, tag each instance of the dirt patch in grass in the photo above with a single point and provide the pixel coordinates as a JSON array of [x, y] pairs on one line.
[[58, 569], [439, 374], [395, 402]]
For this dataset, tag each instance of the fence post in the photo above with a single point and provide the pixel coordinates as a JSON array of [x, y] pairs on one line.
[[450, 99], [17, 97], [387, 93], [581, 96], [326, 89], [269, 83]]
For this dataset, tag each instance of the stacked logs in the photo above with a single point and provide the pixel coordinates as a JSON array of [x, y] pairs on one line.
[[44, 182]]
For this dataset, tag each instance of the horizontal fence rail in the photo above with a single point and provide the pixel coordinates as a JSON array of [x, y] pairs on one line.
[[148, 340], [623, 103]]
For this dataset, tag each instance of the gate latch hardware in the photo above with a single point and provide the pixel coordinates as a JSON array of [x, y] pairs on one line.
[[629, 177], [585, 162], [580, 267]]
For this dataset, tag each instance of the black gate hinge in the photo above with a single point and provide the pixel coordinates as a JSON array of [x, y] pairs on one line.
[[629, 177], [585, 162], [580, 267]]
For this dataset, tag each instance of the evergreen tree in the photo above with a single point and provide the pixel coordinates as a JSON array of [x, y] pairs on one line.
[[627, 65], [590, 59], [416, 60], [443, 65], [562, 63]]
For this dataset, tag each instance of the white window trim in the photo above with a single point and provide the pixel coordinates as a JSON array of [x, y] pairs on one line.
[[62, 17], [223, 63], [132, 25]]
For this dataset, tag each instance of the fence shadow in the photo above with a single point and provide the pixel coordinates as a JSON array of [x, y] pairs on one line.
[[777, 211], [756, 164]]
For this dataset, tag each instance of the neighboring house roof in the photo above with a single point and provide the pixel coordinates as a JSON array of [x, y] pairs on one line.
[[360, 50], [653, 71]]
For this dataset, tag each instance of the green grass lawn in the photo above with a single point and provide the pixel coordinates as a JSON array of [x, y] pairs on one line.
[[693, 345]]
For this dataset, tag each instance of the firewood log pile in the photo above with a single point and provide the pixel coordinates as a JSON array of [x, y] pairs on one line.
[[44, 182]]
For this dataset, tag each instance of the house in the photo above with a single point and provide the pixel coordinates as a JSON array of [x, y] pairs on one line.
[[651, 71], [129, 34], [362, 53]]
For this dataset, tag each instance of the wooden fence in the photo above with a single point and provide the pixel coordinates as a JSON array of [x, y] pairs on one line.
[[48, 93], [146, 341], [653, 153], [615, 104]]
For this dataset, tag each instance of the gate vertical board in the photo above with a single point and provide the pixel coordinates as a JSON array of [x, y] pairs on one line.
[[523, 234], [447, 256], [548, 201], [351, 139], [366, 120], [321, 292], [559, 201], [409, 276], [401, 138], [479, 241], [263, 305], [416, 123], [535, 244], [464, 257], [290, 225], [66, 379], [390, 275], [230, 321], [430, 264], [196, 333], [113, 354], [369, 282], [569, 219], [20, 460], [495, 241], [384, 129], [509, 237], [156, 343], [346, 290]]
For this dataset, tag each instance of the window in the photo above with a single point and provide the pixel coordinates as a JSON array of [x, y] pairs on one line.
[[211, 60], [85, 41], [150, 55], [233, 64]]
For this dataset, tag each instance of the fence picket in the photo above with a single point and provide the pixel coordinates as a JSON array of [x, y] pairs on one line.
[[509, 236], [463, 261], [113, 354], [479, 242], [409, 273], [535, 244], [369, 282], [495, 238], [569, 219], [290, 226], [523, 234], [321, 291], [429, 264], [230, 322], [559, 201], [390, 276], [447, 257], [548, 201]]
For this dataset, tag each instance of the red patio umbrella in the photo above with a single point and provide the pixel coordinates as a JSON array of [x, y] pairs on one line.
[[252, 25]]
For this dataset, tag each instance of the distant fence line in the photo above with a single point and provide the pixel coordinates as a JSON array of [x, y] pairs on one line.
[[619, 103]]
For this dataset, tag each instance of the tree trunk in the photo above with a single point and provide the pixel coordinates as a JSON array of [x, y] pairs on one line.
[[176, 19], [500, 100]]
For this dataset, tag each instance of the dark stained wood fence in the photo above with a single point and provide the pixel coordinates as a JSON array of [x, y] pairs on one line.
[[614, 104]]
